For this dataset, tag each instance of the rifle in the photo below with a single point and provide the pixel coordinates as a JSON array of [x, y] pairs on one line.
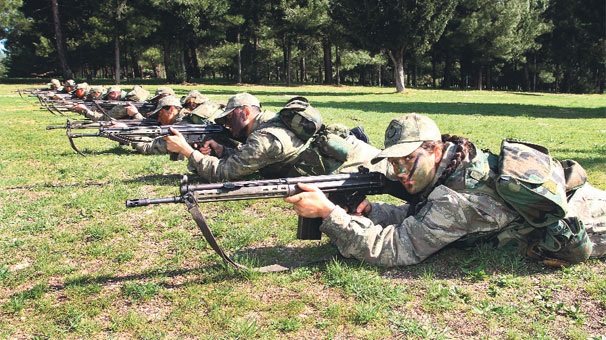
[[145, 108], [346, 190], [69, 126], [87, 124], [34, 92], [144, 132]]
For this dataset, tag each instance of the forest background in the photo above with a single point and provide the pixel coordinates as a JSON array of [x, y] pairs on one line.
[[519, 45]]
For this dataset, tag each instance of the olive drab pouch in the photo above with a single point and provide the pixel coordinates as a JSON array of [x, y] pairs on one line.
[[301, 118]]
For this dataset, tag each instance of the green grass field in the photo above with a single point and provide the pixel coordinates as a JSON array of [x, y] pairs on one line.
[[75, 263]]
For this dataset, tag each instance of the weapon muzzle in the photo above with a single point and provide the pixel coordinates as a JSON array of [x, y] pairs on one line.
[[137, 203], [142, 202]]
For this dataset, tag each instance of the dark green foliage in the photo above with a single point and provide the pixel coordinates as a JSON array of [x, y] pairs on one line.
[[530, 45]]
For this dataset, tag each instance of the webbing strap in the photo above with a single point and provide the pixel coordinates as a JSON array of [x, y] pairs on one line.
[[194, 210]]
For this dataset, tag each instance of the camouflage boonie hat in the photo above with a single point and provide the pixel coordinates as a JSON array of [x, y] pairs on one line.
[[166, 101], [241, 99], [198, 97], [163, 90], [54, 82], [70, 83], [82, 86], [405, 134], [137, 94]]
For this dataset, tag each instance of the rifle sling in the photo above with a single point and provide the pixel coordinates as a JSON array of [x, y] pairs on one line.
[[194, 210]]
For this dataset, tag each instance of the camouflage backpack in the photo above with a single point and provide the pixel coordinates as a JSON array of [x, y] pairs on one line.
[[326, 148], [536, 186], [137, 94], [206, 112]]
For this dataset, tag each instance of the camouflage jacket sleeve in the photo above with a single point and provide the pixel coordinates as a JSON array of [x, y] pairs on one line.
[[155, 147], [228, 151], [447, 217], [119, 112], [94, 115], [259, 151]]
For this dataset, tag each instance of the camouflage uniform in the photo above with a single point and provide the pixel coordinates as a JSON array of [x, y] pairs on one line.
[[95, 93], [272, 150], [55, 85], [69, 83], [158, 145], [119, 111], [115, 89], [116, 112], [465, 207]]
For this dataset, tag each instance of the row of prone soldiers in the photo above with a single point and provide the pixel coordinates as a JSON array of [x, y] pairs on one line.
[[459, 193]]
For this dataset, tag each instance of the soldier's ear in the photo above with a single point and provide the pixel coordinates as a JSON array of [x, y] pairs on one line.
[[247, 111], [438, 152]]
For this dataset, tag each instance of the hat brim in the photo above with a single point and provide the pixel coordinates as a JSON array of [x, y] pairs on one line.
[[224, 113], [397, 150], [155, 112]]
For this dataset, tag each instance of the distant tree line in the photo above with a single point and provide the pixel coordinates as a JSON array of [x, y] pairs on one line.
[[522, 45]]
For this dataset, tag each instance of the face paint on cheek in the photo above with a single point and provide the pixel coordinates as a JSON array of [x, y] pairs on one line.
[[421, 174]]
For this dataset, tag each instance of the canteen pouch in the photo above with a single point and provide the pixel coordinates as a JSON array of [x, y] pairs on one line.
[[561, 244]]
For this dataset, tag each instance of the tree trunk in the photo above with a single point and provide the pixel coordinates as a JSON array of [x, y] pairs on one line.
[[117, 58], [338, 62], [239, 59], [183, 75], [446, 82], [194, 61], [534, 74], [303, 71], [489, 79], [256, 77], [327, 61], [287, 59], [479, 80], [526, 77], [320, 76], [434, 74], [65, 70], [135, 64], [398, 64], [170, 75]]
